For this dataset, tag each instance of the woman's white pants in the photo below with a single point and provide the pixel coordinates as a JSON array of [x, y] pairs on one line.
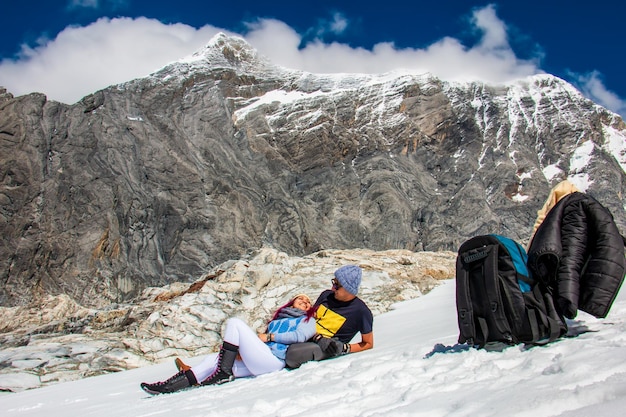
[[256, 356]]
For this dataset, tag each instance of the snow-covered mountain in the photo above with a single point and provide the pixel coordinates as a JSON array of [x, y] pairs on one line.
[[415, 369], [162, 178]]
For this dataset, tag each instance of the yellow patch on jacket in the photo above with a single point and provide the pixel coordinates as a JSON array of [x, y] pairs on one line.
[[327, 322]]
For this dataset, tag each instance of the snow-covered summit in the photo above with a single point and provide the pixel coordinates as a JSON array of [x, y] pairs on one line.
[[221, 52]]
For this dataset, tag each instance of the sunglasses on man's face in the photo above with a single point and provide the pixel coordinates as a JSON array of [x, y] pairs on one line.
[[336, 284]]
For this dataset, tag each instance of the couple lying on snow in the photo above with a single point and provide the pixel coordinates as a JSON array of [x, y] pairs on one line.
[[298, 332]]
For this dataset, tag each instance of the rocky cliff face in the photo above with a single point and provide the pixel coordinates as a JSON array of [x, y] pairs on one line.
[[162, 178]]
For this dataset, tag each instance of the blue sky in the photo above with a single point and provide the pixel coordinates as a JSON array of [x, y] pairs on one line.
[[70, 48]]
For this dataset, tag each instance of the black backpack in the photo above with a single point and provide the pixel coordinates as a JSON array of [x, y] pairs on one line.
[[498, 303]]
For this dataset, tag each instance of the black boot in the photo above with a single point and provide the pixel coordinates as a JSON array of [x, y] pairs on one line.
[[182, 380], [224, 371]]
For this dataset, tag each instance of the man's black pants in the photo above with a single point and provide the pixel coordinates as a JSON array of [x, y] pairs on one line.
[[299, 353]]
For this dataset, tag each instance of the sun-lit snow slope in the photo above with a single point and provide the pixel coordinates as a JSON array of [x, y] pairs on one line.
[[416, 369]]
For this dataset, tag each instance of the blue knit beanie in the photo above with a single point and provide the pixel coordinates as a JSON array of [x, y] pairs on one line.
[[349, 277]]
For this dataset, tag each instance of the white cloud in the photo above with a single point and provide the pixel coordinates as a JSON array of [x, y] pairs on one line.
[[491, 60], [592, 86], [335, 26], [81, 60], [339, 23], [494, 30]]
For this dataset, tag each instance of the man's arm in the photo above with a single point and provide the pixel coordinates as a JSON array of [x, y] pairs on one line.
[[367, 342]]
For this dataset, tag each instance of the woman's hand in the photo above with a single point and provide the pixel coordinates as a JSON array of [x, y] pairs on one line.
[[263, 337]]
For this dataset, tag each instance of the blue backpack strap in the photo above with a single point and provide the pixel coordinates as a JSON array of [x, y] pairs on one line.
[[520, 261]]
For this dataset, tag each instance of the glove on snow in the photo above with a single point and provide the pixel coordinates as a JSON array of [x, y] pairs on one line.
[[331, 346]]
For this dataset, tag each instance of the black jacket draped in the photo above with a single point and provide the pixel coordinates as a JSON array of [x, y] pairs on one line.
[[578, 252]]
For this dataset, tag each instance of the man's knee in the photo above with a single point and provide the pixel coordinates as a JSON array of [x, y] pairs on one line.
[[300, 353]]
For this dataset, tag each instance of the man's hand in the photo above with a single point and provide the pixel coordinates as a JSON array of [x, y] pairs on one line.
[[332, 346]]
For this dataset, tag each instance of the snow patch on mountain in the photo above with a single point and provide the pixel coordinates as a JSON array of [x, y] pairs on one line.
[[578, 165], [616, 144]]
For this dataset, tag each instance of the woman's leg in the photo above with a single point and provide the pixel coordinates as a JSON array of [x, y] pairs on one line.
[[208, 365], [255, 354]]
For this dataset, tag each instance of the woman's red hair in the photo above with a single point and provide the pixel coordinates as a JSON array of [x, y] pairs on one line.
[[309, 313]]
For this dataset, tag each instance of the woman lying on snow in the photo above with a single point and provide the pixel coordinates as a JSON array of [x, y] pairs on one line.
[[245, 353]]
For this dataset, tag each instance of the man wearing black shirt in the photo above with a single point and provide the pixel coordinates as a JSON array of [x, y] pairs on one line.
[[339, 317]]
